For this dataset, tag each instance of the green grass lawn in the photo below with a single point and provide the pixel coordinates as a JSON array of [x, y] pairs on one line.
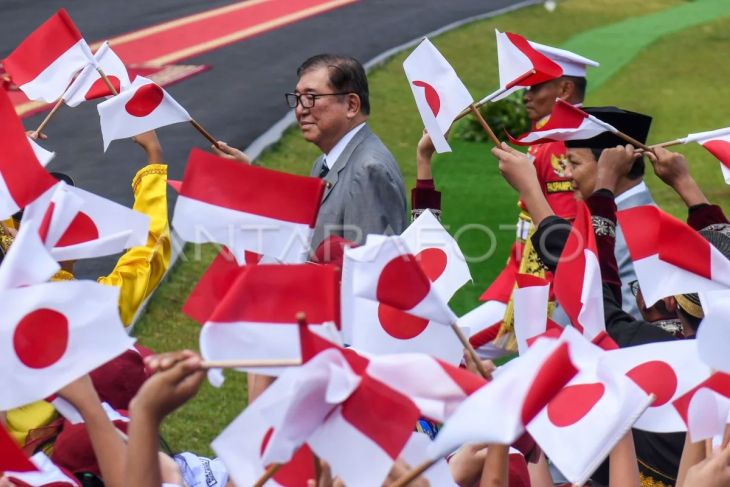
[[679, 79]]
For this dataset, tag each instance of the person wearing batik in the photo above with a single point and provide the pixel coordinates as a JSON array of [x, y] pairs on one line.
[[137, 273]]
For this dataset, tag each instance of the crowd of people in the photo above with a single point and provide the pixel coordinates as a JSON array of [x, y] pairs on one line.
[[365, 194]]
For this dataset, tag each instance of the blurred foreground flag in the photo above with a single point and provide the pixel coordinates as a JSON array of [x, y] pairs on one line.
[[89, 84], [717, 142], [246, 207], [143, 107], [45, 62], [440, 95]]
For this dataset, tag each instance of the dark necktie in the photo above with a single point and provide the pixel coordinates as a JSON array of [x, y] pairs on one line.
[[325, 169]]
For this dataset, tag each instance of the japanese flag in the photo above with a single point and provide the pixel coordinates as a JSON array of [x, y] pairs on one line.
[[717, 142], [387, 272], [245, 208], [705, 409], [381, 329], [143, 107], [566, 122], [45, 62], [665, 369], [499, 411], [54, 333], [669, 256], [440, 95], [47, 475], [89, 85]]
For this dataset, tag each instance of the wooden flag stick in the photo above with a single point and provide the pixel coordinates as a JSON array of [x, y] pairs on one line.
[[236, 364], [633, 141], [50, 115], [205, 133], [485, 125], [470, 350], [413, 474], [106, 80], [270, 472], [668, 144]]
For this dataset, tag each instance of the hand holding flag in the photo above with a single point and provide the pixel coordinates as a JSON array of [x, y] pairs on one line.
[[717, 143]]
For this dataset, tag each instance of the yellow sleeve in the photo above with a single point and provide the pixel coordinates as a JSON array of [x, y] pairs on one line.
[[140, 269]]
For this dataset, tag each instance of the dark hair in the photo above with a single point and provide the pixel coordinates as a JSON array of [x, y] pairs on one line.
[[580, 85], [346, 75], [637, 170]]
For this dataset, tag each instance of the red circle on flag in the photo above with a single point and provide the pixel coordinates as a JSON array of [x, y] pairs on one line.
[[298, 470], [401, 286], [573, 403], [99, 88], [399, 324], [82, 229], [145, 100], [432, 96], [655, 377], [41, 338], [433, 262]]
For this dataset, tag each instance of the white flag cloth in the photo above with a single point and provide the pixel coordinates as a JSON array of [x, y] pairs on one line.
[[144, 106], [714, 333], [387, 272], [500, 411], [45, 62], [717, 142], [669, 256], [54, 333], [381, 329], [566, 122], [440, 95], [705, 409], [665, 369], [530, 308], [44, 156], [89, 84], [100, 227], [416, 452], [48, 474], [483, 323], [581, 425]]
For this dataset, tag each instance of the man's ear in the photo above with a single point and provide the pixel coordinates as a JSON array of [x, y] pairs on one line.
[[567, 89], [353, 105], [671, 304]]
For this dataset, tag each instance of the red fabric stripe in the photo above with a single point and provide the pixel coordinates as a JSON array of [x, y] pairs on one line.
[[23, 174], [46, 222], [546, 68], [527, 280], [466, 381], [682, 246], [554, 373], [252, 189], [718, 382], [11, 457], [276, 293], [640, 227], [719, 148], [382, 414], [46, 44], [485, 336]]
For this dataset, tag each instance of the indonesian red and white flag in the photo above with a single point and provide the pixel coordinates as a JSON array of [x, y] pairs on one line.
[[705, 409], [246, 207], [257, 318], [12, 458], [99, 227], [89, 85], [47, 475], [381, 329], [665, 369], [45, 62], [714, 333], [22, 176], [44, 156], [517, 60], [669, 256], [483, 323], [717, 142], [583, 423], [243, 443], [577, 283], [530, 309], [54, 333], [440, 95], [142, 107], [387, 272], [566, 122], [499, 412]]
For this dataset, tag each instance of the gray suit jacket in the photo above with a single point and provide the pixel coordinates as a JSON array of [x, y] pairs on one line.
[[623, 258], [365, 193]]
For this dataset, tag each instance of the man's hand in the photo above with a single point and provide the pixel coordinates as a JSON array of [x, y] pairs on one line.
[[613, 165], [517, 168], [711, 472], [672, 168], [177, 379], [471, 366], [36, 135], [401, 468], [424, 155], [228, 152]]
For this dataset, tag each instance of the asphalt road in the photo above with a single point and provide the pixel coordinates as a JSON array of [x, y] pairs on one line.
[[236, 100]]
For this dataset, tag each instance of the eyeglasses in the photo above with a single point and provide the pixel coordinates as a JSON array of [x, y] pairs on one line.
[[634, 286], [307, 99]]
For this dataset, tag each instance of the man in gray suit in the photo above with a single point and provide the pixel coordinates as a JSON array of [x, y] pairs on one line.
[[631, 191], [365, 192]]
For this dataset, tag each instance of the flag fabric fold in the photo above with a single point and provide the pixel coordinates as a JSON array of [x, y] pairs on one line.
[[566, 122], [247, 208], [89, 84], [142, 107], [45, 62], [705, 408], [714, 333], [440, 95], [717, 143], [530, 309]]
